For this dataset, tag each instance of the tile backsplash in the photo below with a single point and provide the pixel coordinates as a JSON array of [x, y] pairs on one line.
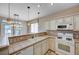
[[15, 39]]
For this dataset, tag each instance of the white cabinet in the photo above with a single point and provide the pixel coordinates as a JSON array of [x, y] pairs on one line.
[[53, 25], [59, 21], [68, 20], [25, 51], [44, 46], [37, 49], [46, 25], [52, 43], [77, 49], [76, 23], [41, 47], [65, 20]]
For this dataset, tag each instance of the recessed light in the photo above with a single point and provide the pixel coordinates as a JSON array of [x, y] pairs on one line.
[[38, 5], [38, 13], [28, 7], [51, 4]]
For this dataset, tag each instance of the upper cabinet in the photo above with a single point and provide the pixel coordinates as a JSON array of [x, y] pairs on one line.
[[76, 23], [65, 23], [52, 24], [59, 21], [68, 20], [46, 25]]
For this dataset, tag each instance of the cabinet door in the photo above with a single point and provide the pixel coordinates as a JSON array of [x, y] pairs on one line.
[[53, 25], [44, 46], [77, 49], [59, 21], [46, 25], [27, 51], [52, 43], [37, 49], [68, 20], [76, 23]]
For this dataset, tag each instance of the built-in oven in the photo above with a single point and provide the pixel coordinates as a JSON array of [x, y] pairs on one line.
[[65, 43]]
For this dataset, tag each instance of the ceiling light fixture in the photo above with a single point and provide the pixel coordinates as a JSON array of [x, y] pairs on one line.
[[38, 5], [51, 4]]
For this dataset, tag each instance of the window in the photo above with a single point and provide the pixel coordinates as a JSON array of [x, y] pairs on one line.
[[12, 29], [7, 29], [34, 27]]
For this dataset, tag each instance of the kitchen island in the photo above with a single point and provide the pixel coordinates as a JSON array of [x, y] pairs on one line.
[[27, 45]]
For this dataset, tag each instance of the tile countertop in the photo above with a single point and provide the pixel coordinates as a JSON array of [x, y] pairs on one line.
[[23, 44], [4, 41]]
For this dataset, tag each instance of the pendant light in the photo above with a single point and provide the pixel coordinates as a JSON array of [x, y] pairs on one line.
[[51, 4], [28, 7], [38, 11], [9, 20], [38, 16]]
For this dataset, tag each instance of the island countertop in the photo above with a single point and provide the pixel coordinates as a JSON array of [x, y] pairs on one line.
[[24, 44]]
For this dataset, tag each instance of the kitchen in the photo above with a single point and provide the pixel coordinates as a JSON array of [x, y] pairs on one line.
[[39, 29]]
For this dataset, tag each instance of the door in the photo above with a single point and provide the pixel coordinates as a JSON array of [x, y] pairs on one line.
[[46, 25]]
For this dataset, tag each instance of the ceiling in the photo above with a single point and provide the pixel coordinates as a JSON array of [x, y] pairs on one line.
[[22, 10]]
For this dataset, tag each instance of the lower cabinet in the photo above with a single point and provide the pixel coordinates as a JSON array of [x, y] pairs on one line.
[[39, 48], [44, 46], [52, 43], [77, 49], [26, 51]]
